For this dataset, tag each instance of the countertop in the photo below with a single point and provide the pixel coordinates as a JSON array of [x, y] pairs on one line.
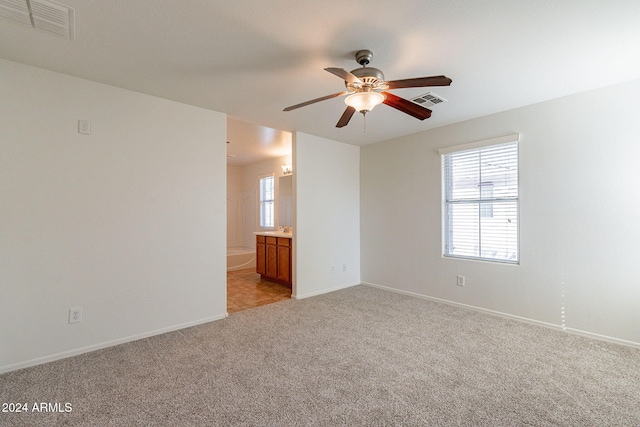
[[273, 234]]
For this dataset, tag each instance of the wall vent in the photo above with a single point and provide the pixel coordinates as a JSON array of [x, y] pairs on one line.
[[429, 99], [43, 15]]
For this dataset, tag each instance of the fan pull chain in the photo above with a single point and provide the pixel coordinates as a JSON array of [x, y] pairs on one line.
[[365, 122]]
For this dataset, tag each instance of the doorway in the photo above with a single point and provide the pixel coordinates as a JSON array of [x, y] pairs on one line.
[[253, 152]]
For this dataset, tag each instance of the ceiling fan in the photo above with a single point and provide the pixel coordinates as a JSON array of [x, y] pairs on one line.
[[365, 90]]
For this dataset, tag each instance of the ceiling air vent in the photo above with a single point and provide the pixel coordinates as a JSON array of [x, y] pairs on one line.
[[43, 15], [429, 99]]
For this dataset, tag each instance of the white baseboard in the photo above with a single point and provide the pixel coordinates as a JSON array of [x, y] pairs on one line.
[[511, 316], [93, 347], [324, 291]]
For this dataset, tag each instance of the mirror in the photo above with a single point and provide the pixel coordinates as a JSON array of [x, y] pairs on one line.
[[285, 201]]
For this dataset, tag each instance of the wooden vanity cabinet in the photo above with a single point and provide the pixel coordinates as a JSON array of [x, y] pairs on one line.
[[273, 258], [284, 260]]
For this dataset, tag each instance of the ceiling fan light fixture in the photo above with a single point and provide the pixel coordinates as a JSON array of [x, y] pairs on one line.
[[364, 102], [366, 87]]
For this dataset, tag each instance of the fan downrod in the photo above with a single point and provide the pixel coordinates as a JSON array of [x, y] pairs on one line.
[[363, 57]]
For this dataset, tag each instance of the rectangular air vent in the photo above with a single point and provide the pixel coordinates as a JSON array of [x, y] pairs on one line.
[[16, 10], [44, 15], [429, 99]]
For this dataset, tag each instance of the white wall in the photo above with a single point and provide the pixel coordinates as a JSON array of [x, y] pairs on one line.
[[128, 222], [327, 219], [579, 215]]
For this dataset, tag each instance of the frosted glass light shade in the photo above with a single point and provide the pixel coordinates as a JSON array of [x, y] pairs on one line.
[[364, 101]]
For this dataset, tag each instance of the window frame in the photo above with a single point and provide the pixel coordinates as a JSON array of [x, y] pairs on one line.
[[263, 202], [447, 233]]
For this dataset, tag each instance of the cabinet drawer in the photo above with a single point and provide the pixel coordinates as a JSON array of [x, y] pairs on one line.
[[260, 239], [284, 241], [272, 240]]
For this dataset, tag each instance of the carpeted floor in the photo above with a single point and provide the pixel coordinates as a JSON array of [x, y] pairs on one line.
[[360, 356]]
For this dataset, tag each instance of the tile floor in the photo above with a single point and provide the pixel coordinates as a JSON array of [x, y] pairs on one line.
[[245, 289]]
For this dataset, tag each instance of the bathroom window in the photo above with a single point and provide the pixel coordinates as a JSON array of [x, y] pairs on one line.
[[480, 200], [267, 202]]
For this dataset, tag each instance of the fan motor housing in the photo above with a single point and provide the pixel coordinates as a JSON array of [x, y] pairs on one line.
[[368, 74], [372, 80]]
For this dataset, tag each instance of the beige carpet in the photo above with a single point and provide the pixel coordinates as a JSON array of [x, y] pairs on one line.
[[360, 356]]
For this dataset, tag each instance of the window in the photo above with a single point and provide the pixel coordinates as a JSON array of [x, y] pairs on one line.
[[480, 200], [267, 202]]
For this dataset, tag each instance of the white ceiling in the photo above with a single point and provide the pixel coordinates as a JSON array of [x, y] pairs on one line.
[[249, 143], [252, 58]]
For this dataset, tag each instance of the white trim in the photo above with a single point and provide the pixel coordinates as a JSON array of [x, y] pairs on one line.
[[94, 347], [603, 337], [479, 144], [324, 291], [573, 331]]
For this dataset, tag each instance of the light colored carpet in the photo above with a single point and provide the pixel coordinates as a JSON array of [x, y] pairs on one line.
[[359, 356]]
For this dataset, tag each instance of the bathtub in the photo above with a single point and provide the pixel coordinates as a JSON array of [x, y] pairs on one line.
[[239, 258]]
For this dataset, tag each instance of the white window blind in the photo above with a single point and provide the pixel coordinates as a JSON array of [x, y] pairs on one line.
[[267, 202], [480, 189]]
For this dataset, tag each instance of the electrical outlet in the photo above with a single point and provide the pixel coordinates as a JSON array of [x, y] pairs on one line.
[[84, 127], [344, 267], [75, 315], [460, 281], [333, 268]]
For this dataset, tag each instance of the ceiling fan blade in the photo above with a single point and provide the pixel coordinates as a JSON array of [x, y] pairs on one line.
[[344, 75], [313, 101], [401, 104], [346, 116], [420, 82]]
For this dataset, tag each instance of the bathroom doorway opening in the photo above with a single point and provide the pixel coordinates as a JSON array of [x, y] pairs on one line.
[[254, 151]]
